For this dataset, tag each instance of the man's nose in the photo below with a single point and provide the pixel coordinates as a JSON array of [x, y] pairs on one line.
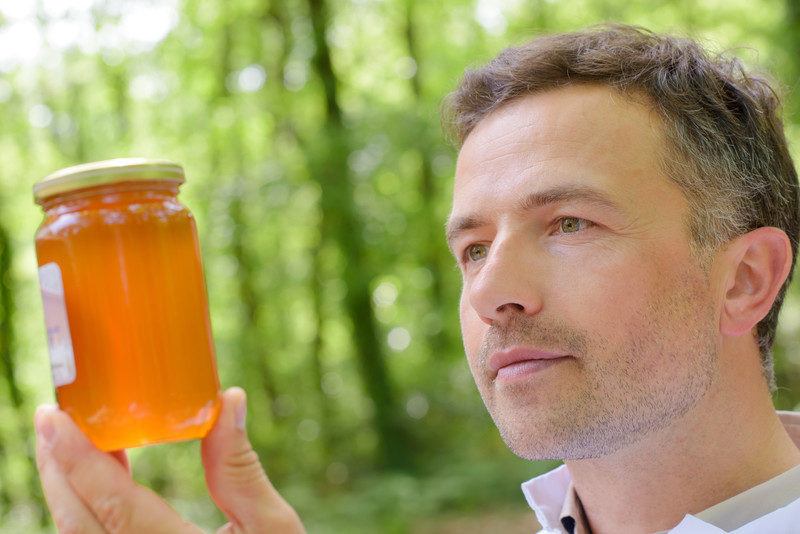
[[507, 284]]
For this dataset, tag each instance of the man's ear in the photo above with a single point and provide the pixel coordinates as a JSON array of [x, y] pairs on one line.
[[758, 264]]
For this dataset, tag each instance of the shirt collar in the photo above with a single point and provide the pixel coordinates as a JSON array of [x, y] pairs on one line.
[[546, 494], [549, 494], [572, 516]]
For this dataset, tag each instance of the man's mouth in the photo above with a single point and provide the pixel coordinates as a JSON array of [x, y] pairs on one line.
[[520, 360]]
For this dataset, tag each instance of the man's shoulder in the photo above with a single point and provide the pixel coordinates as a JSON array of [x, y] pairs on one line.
[[784, 520]]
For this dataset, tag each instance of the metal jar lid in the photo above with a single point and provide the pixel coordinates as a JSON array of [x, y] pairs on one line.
[[106, 172]]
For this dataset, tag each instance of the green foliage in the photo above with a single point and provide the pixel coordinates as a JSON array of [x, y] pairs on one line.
[[235, 92]]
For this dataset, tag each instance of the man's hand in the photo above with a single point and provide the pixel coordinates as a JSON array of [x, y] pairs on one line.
[[90, 491]]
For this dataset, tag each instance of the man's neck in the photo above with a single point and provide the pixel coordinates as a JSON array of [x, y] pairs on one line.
[[731, 441]]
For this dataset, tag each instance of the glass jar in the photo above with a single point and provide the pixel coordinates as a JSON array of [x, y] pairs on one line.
[[125, 303]]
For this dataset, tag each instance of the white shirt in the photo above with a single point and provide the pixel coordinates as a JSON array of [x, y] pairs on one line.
[[771, 507]]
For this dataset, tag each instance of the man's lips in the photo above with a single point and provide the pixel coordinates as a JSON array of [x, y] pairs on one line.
[[510, 356]]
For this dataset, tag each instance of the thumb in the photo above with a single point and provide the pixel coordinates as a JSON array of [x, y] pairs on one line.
[[236, 481]]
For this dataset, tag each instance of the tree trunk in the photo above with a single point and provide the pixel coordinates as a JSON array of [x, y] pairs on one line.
[[6, 349], [252, 345], [340, 221], [433, 245], [792, 35], [275, 13], [6, 320]]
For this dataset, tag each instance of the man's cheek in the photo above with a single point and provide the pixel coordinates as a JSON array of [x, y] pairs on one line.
[[472, 331], [606, 312], [465, 313], [607, 296]]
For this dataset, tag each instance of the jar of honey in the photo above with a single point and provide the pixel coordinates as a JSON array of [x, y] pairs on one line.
[[125, 304]]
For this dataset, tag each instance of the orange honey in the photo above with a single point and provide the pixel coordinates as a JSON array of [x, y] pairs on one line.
[[125, 304]]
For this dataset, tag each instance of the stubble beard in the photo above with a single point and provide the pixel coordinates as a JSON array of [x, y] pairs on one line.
[[662, 369]]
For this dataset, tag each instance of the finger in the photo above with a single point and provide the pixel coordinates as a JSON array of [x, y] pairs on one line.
[[122, 458], [67, 510], [235, 478], [102, 484]]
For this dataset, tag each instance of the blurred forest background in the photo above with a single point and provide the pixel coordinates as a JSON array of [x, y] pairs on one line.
[[320, 181]]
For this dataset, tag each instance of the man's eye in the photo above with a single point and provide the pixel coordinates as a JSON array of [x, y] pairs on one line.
[[477, 252], [571, 225]]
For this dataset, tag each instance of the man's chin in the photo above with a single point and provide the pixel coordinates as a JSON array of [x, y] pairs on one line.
[[531, 450], [529, 439], [534, 448], [536, 439], [539, 434]]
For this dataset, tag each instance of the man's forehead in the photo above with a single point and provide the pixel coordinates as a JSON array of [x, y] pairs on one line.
[[576, 133], [579, 120], [579, 138]]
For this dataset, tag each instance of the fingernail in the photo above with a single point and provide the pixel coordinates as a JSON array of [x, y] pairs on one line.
[[241, 413], [43, 421]]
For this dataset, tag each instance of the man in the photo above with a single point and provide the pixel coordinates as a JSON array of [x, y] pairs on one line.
[[625, 217]]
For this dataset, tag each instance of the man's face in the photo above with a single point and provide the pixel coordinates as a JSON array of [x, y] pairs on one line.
[[573, 243]]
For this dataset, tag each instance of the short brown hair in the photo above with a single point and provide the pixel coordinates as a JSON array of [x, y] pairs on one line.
[[726, 147]]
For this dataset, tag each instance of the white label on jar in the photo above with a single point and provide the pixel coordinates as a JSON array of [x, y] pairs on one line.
[[59, 340]]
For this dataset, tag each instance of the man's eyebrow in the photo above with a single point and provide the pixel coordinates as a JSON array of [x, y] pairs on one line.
[[458, 225], [562, 193], [567, 193]]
